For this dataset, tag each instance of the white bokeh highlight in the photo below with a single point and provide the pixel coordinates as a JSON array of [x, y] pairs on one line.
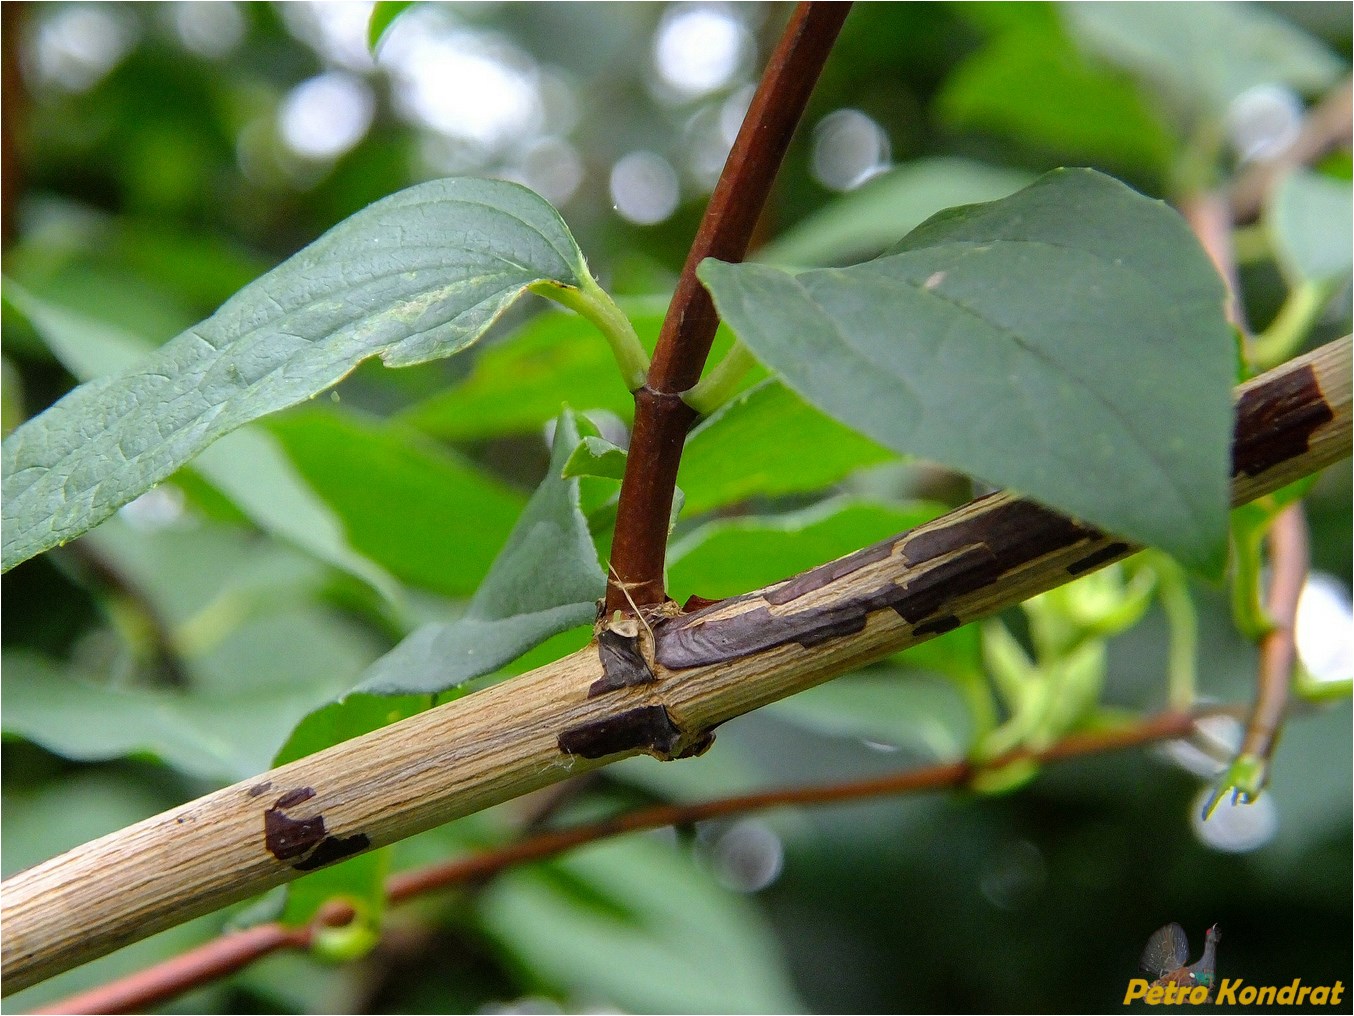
[[699, 49], [848, 149], [75, 47], [1324, 628], [644, 188], [325, 116], [1235, 827]]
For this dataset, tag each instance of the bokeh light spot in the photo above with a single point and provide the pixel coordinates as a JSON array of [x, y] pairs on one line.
[[644, 188], [699, 49], [1234, 827], [325, 116], [848, 149]]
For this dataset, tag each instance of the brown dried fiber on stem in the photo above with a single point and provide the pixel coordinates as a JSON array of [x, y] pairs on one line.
[[661, 417]]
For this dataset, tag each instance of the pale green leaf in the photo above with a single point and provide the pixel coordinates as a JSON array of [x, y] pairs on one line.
[[545, 580], [1067, 342], [596, 456], [1309, 217], [890, 706], [220, 737], [416, 276]]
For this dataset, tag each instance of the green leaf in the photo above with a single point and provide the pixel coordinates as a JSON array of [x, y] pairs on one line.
[[240, 612], [767, 442], [383, 15], [640, 926], [1309, 217], [219, 737], [416, 276], [596, 456], [865, 221], [418, 509], [1203, 55], [730, 556], [1067, 342], [247, 465], [1034, 88], [546, 579]]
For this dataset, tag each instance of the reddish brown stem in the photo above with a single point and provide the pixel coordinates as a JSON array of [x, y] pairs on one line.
[[13, 103], [203, 965], [1210, 218], [1288, 560], [234, 951], [661, 417]]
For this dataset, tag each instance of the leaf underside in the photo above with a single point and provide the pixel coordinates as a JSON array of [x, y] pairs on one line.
[[1067, 342], [416, 276]]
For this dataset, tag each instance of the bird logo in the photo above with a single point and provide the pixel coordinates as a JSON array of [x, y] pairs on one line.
[[1166, 958]]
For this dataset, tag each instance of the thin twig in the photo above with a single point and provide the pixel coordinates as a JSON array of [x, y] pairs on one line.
[[1288, 561], [1210, 218], [193, 969], [236, 950], [661, 417], [13, 114]]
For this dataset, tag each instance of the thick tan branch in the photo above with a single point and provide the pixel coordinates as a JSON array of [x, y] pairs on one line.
[[576, 714]]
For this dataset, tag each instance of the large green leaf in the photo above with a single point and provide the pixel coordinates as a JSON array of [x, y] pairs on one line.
[[240, 613], [418, 275], [545, 580], [220, 737], [1067, 342]]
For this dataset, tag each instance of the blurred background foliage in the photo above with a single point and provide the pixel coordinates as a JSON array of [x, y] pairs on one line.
[[160, 156]]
